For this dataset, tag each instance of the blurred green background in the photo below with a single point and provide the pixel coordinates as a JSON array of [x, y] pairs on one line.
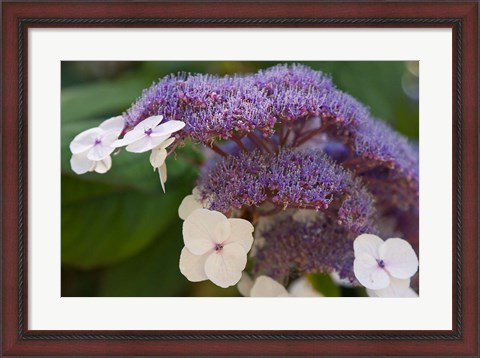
[[121, 235]]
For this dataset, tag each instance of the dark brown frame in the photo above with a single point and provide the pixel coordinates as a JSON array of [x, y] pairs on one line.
[[18, 17]]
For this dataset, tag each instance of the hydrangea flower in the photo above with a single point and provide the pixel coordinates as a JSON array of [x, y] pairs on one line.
[[302, 287], [215, 247], [305, 163], [384, 266], [265, 286], [157, 159], [190, 203], [321, 245], [149, 134], [91, 148], [393, 291]]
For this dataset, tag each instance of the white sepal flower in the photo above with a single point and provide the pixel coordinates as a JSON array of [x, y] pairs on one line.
[[408, 293], [81, 164], [379, 264], [245, 284], [149, 134], [215, 247], [114, 124], [265, 286], [190, 203], [302, 287], [91, 148], [157, 159], [397, 288]]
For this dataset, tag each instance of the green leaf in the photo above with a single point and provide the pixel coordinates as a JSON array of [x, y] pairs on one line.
[[103, 224], [153, 272], [324, 284], [102, 98]]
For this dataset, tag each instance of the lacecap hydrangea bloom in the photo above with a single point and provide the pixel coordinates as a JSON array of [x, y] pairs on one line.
[[296, 171]]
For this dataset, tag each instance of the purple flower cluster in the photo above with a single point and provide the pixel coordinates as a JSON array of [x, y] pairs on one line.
[[293, 247], [220, 107], [305, 179], [389, 160], [287, 139]]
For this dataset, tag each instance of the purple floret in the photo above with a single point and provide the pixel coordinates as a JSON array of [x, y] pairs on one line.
[[291, 179], [388, 164], [292, 248], [219, 107]]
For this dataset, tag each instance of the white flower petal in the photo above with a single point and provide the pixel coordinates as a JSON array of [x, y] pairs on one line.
[[368, 273], [115, 124], [162, 173], [265, 286], [167, 128], [145, 144], [301, 287], [85, 140], [108, 138], [166, 142], [367, 243], [80, 163], [199, 230], [149, 123], [130, 137], [187, 206], [157, 157], [241, 233], [399, 258], [193, 266], [397, 288], [223, 231], [224, 267], [99, 152], [102, 166], [245, 285]]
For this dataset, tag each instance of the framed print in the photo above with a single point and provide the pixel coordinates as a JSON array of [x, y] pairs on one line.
[[321, 191]]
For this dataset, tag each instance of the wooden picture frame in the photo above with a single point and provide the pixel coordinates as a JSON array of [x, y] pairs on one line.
[[18, 17]]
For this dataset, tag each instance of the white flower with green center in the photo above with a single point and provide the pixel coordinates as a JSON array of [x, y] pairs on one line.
[[91, 149], [384, 266], [215, 247], [149, 134]]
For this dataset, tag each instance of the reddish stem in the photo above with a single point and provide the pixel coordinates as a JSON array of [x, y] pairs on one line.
[[258, 142], [284, 139], [239, 143], [217, 150]]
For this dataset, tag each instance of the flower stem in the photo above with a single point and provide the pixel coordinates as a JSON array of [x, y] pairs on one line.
[[258, 142], [238, 141], [217, 150]]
